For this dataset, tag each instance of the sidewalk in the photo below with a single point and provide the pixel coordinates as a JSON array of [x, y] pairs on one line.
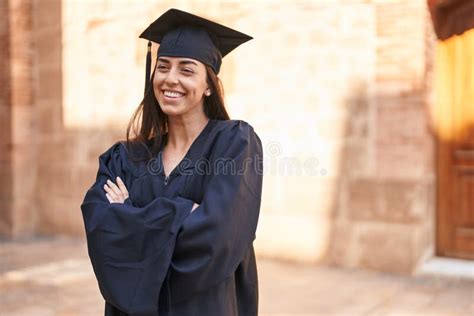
[[54, 277]]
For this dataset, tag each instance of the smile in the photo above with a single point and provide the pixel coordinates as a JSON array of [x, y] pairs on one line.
[[173, 94]]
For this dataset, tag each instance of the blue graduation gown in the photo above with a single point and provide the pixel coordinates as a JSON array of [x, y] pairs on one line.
[[152, 256]]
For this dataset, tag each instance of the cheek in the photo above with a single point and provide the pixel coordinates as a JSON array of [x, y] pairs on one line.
[[157, 80], [192, 87], [199, 87]]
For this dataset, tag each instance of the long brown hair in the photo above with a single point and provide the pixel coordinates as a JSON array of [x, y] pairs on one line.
[[149, 123]]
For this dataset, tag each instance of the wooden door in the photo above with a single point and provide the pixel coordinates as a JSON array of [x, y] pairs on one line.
[[454, 90]]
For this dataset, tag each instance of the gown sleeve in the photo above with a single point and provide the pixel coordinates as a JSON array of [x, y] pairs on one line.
[[130, 247], [215, 238]]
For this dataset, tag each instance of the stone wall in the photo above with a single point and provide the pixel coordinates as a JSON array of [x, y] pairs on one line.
[[5, 122], [17, 120], [385, 214], [336, 90]]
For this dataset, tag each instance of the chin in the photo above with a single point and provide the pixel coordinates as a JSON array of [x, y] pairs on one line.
[[172, 110]]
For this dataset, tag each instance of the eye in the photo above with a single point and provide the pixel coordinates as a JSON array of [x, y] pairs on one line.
[[161, 67], [187, 70]]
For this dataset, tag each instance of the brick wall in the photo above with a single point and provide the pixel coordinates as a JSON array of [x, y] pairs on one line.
[[386, 213], [336, 90], [5, 123], [18, 146]]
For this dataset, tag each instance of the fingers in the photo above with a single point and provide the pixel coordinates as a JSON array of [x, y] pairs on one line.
[[116, 193], [110, 194], [195, 206], [122, 187], [114, 188]]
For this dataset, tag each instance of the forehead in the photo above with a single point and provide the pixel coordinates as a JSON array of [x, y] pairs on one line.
[[180, 60]]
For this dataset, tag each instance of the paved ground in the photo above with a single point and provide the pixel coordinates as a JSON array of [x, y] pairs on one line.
[[53, 277]]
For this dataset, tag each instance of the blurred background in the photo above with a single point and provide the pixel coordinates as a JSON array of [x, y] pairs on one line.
[[366, 112]]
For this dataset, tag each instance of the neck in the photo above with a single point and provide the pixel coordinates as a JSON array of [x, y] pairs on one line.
[[183, 130]]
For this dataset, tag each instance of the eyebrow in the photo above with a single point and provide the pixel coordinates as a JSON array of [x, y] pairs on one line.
[[181, 62]]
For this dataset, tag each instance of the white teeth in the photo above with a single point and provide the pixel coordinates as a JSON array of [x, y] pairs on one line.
[[172, 94]]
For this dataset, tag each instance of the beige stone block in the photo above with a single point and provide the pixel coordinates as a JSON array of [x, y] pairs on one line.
[[5, 137], [52, 153], [20, 53], [49, 86], [364, 200], [405, 202], [47, 14], [60, 216], [21, 88], [22, 153], [343, 244], [65, 180], [4, 11], [6, 180], [424, 242], [404, 161], [401, 120], [387, 201], [56, 180], [386, 247], [23, 125], [49, 217], [6, 150], [356, 160], [49, 118], [6, 200], [24, 217], [83, 178], [24, 190], [92, 151], [5, 221], [400, 39], [5, 76], [24, 181], [86, 152]]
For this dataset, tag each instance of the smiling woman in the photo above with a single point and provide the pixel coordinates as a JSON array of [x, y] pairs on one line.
[[166, 236]]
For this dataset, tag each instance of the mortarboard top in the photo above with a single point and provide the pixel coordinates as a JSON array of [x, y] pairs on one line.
[[182, 34]]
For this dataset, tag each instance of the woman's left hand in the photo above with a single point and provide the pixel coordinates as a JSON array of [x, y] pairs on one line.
[[116, 193]]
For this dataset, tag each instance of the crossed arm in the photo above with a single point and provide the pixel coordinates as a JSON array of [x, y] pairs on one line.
[[118, 193]]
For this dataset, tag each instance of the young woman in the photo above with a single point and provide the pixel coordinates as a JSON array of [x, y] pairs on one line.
[[171, 218]]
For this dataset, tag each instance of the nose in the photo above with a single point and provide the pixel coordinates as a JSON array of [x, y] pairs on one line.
[[171, 77]]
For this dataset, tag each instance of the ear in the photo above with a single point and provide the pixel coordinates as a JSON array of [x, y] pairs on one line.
[[207, 92]]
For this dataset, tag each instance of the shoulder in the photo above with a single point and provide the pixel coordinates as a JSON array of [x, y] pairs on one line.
[[128, 150], [231, 135], [115, 155], [119, 156], [234, 129], [114, 151], [229, 124]]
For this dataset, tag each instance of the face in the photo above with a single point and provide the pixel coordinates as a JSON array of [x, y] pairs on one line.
[[180, 85]]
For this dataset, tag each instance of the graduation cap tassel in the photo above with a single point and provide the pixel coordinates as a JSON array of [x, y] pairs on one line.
[[148, 67]]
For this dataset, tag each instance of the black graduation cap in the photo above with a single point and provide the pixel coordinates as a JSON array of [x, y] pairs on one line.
[[182, 34]]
